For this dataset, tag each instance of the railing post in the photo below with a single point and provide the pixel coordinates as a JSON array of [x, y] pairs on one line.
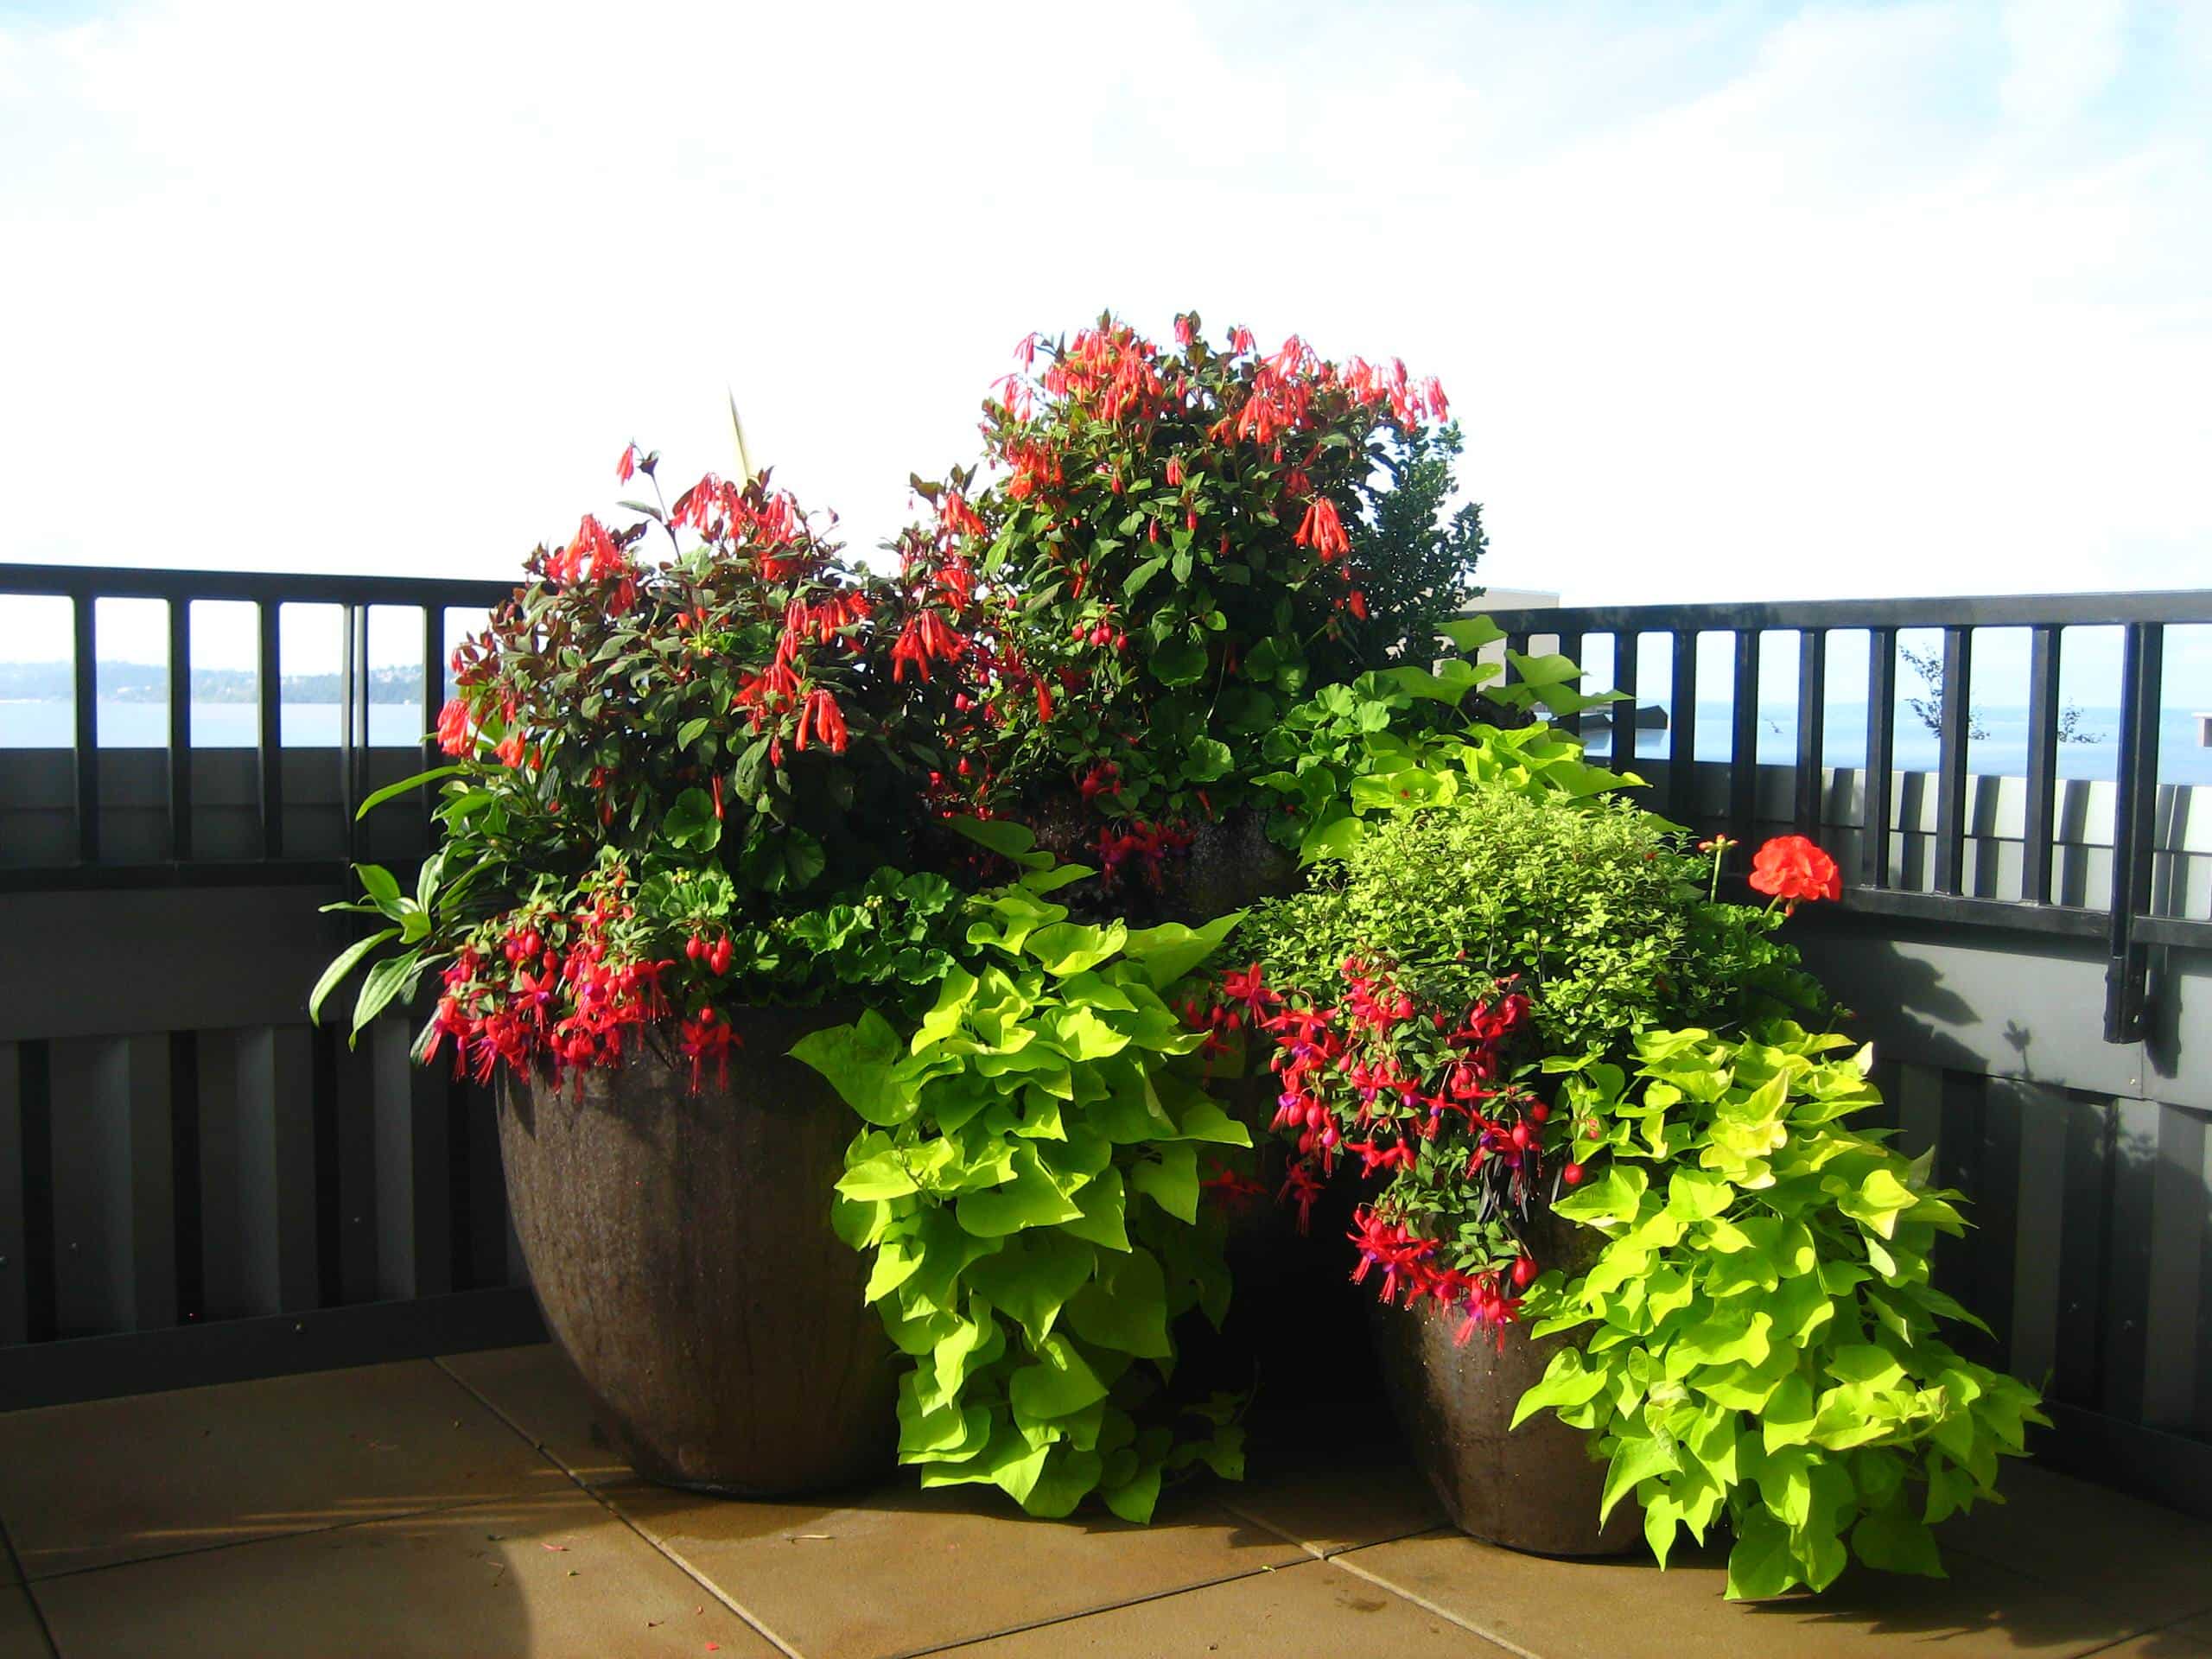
[[1955, 722], [1681, 727], [85, 686], [2037, 834], [1743, 737], [1881, 739], [179, 729], [268, 726], [2128, 963], [1812, 728]]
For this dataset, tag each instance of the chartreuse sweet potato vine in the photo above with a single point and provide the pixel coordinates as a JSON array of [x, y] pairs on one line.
[[1766, 1340], [1029, 1186]]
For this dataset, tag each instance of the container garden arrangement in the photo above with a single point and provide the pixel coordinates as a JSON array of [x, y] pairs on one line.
[[886, 976], [1487, 1011], [681, 797]]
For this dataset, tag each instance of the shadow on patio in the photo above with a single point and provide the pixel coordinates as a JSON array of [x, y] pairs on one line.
[[465, 1506]]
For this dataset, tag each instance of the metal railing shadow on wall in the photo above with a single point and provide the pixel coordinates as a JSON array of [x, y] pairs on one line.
[[192, 1184]]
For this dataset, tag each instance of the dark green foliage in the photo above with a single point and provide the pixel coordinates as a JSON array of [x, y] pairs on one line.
[[1418, 562]]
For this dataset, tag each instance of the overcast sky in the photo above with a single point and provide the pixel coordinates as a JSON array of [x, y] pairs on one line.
[[1735, 300]]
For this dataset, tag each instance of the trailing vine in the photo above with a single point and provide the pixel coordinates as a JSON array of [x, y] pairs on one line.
[[1030, 1193]]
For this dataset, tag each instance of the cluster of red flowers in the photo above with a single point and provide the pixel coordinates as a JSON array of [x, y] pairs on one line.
[[1140, 845], [1418, 1096], [541, 988], [1119, 455]]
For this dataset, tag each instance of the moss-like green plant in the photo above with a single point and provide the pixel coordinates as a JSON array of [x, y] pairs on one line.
[[1589, 899], [1758, 1338]]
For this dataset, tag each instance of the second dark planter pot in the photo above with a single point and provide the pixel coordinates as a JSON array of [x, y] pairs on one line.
[[1534, 1488], [680, 1246]]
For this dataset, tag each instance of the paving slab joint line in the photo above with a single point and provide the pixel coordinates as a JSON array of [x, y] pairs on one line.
[[2137, 1635], [1100, 1610], [1342, 1564], [671, 1556], [184, 1551], [23, 1583], [1318, 1552]]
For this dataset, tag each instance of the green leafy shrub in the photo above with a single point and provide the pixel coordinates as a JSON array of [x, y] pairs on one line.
[[1420, 552], [1758, 1336], [1030, 1191], [1588, 901], [1400, 741]]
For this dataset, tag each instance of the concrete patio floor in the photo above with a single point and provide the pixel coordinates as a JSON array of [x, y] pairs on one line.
[[463, 1507]]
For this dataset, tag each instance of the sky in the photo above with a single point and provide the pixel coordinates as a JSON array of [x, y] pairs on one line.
[[1734, 300]]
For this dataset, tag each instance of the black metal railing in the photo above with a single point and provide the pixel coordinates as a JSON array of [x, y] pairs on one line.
[[2125, 925], [84, 586]]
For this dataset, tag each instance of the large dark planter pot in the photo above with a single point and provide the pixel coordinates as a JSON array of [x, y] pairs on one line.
[[680, 1246], [1533, 1488]]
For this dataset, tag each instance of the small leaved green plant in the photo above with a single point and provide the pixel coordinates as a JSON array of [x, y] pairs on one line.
[[1029, 1189], [1757, 1340], [1398, 741], [1589, 904]]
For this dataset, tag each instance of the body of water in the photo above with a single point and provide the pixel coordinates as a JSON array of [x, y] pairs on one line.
[[215, 725], [2003, 752]]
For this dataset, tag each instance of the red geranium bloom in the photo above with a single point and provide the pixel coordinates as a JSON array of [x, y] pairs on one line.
[[1792, 868]]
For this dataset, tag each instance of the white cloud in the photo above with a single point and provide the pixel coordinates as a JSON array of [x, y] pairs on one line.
[[1863, 301], [2064, 53]]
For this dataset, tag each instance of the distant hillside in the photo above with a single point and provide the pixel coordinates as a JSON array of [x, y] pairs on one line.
[[149, 683]]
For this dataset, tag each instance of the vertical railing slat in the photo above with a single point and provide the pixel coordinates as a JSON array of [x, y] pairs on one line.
[[2038, 831], [2126, 969], [1623, 713], [268, 726], [433, 688], [1812, 728], [414, 1166], [1881, 740], [15, 1325], [1681, 727], [349, 781], [85, 728], [1570, 646], [179, 751], [1743, 737], [1955, 722], [279, 1251]]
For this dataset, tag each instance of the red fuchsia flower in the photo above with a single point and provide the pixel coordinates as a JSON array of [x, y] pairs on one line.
[[1301, 1187], [511, 748], [625, 467], [821, 711], [1249, 988], [705, 1037], [1373, 1155], [456, 734], [1322, 531], [1792, 868], [1104, 777], [590, 556]]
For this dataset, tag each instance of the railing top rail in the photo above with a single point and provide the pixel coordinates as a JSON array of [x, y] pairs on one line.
[[130, 581], [2173, 606]]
